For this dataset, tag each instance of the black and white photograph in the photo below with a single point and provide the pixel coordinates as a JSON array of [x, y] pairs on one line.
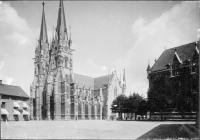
[[99, 69]]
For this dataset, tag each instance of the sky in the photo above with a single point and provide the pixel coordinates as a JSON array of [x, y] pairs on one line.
[[105, 35]]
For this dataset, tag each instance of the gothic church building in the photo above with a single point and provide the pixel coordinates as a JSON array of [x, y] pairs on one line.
[[59, 94]]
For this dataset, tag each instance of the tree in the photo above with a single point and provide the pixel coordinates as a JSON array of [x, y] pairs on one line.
[[161, 95], [119, 105], [136, 104], [143, 107]]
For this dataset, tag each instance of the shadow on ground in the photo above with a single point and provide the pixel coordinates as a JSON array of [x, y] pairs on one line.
[[174, 131]]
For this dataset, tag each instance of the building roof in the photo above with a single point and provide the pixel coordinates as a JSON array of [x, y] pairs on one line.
[[85, 81], [12, 90], [92, 83], [184, 52], [101, 81]]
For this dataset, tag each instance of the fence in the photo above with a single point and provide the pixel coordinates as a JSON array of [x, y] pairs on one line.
[[187, 116]]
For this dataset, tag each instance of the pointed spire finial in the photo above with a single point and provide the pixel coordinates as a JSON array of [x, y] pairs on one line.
[[108, 76], [43, 4], [43, 30], [70, 32], [53, 34], [124, 79], [148, 67], [61, 28]]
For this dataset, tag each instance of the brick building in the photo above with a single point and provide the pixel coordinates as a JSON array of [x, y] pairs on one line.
[[179, 67], [14, 103], [59, 94]]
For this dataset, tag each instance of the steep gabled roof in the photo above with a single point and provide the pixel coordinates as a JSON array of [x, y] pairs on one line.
[[12, 90], [92, 83], [101, 81], [184, 52], [86, 81]]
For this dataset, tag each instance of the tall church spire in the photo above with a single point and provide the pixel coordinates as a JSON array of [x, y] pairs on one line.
[[43, 30], [61, 23]]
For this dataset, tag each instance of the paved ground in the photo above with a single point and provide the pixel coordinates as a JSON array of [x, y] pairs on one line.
[[90, 129]]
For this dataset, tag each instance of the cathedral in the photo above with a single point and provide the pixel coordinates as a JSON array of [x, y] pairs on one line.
[[59, 94]]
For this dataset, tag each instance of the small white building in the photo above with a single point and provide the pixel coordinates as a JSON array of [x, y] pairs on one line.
[[14, 103]]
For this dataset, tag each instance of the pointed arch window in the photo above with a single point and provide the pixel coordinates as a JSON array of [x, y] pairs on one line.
[[86, 93], [38, 69], [66, 61], [62, 98], [80, 92], [175, 69], [59, 87], [62, 87], [194, 62], [115, 92]]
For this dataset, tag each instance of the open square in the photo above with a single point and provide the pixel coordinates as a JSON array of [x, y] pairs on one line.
[[93, 129]]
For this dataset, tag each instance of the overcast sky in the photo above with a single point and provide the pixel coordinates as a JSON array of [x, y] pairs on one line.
[[105, 35]]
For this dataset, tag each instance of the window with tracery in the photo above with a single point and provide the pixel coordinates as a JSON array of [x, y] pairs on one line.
[[175, 69], [62, 87], [59, 87], [66, 61], [62, 98], [115, 92], [194, 63]]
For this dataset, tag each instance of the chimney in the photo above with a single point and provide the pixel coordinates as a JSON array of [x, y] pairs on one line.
[[0, 82]]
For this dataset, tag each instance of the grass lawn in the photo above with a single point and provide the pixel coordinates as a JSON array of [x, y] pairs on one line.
[[174, 131]]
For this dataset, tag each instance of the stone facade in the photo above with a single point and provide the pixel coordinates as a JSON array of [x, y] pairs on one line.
[[59, 94], [178, 67]]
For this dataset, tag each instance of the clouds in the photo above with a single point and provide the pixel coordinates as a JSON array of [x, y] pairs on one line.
[[175, 27], [14, 29], [136, 28], [90, 68], [6, 80], [1, 65], [16, 45], [103, 68], [98, 48]]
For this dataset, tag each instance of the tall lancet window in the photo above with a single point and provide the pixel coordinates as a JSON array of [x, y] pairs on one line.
[[66, 62], [175, 69], [115, 92], [59, 87], [62, 87]]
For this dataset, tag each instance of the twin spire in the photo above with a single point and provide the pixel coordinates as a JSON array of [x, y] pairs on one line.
[[61, 23], [61, 29], [43, 30]]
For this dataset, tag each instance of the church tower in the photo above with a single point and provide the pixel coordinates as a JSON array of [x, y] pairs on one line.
[[41, 66], [60, 69], [55, 95]]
